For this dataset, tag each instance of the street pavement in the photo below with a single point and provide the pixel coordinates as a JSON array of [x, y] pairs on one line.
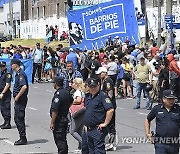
[[129, 125]]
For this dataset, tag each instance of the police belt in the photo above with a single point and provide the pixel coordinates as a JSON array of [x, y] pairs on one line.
[[91, 128]]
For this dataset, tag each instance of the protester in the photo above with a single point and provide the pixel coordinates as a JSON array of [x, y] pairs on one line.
[[37, 56], [56, 31], [77, 111]]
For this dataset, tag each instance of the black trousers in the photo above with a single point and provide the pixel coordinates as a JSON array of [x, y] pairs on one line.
[[5, 106], [84, 73], [114, 78], [112, 123], [166, 148], [175, 86], [60, 133], [36, 67], [19, 116]]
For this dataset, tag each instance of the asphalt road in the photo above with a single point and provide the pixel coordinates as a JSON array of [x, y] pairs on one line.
[[129, 125]]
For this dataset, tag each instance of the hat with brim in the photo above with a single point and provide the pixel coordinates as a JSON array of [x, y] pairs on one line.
[[2, 63], [169, 94], [58, 80], [92, 82], [16, 61], [101, 69]]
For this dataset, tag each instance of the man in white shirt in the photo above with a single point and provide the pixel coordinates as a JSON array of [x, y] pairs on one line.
[[37, 56]]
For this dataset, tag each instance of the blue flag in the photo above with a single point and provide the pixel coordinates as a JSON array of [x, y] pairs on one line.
[[90, 27], [26, 65]]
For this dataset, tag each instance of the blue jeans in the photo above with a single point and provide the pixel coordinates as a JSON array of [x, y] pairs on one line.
[[139, 88], [48, 40]]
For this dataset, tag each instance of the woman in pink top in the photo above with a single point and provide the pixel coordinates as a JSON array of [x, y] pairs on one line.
[[56, 33]]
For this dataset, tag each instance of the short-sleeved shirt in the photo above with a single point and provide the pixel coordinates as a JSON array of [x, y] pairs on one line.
[[20, 81], [61, 102], [142, 73], [107, 86], [37, 55], [5, 77], [167, 123], [112, 68], [96, 108], [78, 93]]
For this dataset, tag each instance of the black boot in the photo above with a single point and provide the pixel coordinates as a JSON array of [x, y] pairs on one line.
[[2, 124], [6, 125], [21, 141]]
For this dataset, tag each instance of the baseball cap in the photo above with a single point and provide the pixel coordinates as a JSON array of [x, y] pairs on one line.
[[71, 49], [169, 94], [116, 37], [101, 69], [16, 61], [58, 80], [92, 82], [2, 63]]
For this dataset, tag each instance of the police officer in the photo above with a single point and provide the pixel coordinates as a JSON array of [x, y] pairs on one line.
[[99, 111], [5, 95], [167, 116], [61, 102], [107, 86], [20, 92]]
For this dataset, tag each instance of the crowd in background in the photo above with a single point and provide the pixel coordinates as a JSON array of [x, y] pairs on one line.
[[120, 59]]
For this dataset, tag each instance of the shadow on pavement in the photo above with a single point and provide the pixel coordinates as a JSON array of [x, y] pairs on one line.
[[123, 147], [3, 139], [38, 141]]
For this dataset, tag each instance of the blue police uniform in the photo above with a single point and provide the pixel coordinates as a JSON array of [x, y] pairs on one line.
[[167, 129], [96, 108], [106, 87], [5, 102], [61, 102], [20, 105]]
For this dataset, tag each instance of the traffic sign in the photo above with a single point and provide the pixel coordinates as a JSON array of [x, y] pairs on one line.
[[169, 18]]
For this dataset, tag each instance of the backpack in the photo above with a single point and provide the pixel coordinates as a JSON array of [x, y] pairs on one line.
[[54, 62]]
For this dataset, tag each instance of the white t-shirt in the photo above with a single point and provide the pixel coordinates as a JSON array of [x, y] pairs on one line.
[[112, 68], [78, 93]]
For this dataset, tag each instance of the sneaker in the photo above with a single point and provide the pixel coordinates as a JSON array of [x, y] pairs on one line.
[[77, 151]]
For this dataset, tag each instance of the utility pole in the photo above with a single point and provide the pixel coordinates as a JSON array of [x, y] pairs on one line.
[[168, 12], [159, 24], [11, 19]]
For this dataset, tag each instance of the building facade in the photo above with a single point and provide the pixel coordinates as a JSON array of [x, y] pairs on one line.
[[16, 18], [36, 14]]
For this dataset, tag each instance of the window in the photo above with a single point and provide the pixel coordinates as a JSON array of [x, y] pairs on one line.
[[155, 3], [44, 11], [174, 2], [57, 11], [38, 12], [32, 13]]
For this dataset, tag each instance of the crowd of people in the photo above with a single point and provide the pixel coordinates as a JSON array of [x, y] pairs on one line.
[[52, 33], [110, 72]]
